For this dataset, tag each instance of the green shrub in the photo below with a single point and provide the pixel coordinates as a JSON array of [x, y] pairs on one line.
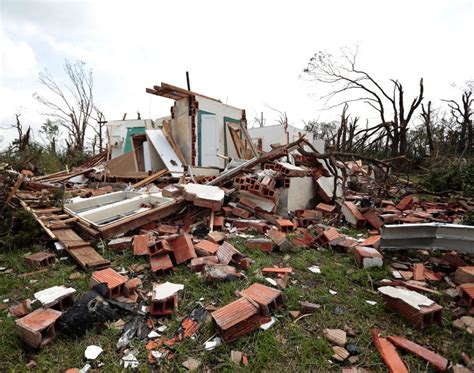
[[456, 176]]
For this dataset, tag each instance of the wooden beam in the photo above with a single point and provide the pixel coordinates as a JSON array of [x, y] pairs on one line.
[[15, 188], [150, 178]]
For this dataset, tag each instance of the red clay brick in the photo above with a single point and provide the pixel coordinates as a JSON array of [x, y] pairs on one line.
[[140, 244], [262, 244], [418, 272], [433, 358], [404, 203], [206, 248], [389, 353], [373, 219], [183, 249]]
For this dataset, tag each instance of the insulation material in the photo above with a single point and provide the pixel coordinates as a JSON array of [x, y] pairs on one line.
[[166, 290]]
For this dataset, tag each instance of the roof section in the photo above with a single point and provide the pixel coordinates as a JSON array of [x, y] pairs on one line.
[[173, 92]]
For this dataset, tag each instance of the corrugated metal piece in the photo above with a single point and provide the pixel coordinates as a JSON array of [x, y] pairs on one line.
[[428, 236]]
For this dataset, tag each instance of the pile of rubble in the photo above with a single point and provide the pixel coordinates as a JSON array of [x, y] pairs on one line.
[[289, 200]]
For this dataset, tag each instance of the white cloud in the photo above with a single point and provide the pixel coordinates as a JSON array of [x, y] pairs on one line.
[[18, 59], [246, 53]]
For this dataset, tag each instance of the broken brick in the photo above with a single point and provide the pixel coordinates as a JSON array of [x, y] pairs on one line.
[[418, 272], [120, 244], [279, 239], [352, 214], [372, 241], [113, 279], [38, 328], [464, 275], [159, 247], [285, 225], [329, 236], [160, 263], [20, 309], [57, 297], [259, 225], [237, 319], [219, 272], [183, 249], [162, 306], [336, 336], [267, 298], [389, 353], [241, 213], [467, 294], [373, 219], [433, 358], [140, 244], [228, 253], [308, 307], [206, 248], [325, 208], [131, 286], [216, 237], [367, 257], [218, 222], [425, 313], [404, 203], [277, 270], [197, 264], [262, 244], [166, 230], [40, 260]]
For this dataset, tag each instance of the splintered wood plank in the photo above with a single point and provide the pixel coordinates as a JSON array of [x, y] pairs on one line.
[[15, 188], [68, 238]]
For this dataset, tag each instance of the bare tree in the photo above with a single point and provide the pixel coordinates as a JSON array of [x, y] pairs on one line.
[[345, 78], [462, 113], [427, 115], [71, 104], [22, 142], [98, 129]]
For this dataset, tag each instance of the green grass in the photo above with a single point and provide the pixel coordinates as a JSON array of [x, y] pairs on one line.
[[288, 345]]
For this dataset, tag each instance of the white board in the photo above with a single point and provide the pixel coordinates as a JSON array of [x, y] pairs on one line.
[[158, 140], [209, 141]]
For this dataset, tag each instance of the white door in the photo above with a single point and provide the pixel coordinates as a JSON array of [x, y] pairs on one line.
[[209, 141]]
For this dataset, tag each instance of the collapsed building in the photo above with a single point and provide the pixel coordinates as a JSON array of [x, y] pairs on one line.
[[176, 188]]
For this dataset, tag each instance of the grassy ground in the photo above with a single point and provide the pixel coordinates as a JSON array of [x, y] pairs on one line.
[[289, 345]]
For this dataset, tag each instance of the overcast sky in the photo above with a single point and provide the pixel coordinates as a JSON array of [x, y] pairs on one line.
[[249, 54]]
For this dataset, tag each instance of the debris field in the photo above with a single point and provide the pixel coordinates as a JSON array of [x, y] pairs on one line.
[[214, 266]]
